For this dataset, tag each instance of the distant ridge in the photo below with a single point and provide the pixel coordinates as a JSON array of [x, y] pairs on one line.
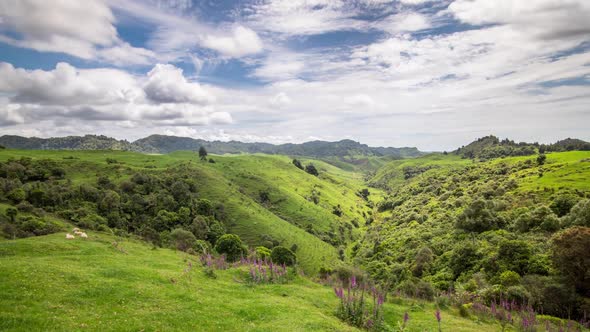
[[167, 144], [489, 147]]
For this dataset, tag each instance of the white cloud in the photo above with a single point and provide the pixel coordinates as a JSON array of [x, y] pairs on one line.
[[164, 96], [280, 100], [167, 84], [242, 41], [547, 19], [405, 22], [82, 29], [304, 17]]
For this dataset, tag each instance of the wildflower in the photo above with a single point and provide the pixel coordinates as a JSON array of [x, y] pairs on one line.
[[353, 281]]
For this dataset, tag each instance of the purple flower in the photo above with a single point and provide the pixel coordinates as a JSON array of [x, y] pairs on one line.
[[353, 281], [406, 318], [437, 315]]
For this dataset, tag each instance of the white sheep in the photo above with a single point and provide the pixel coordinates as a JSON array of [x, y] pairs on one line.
[[79, 233], [83, 235], [70, 236]]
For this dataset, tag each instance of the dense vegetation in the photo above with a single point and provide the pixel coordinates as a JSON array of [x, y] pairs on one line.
[[487, 230]]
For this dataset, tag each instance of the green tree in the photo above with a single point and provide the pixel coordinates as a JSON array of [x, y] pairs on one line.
[[17, 195], [477, 218], [205, 207], [11, 213], [571, 256], [541, 159], [311, 170], [563, 204], [203, 153], [230, 245], [282, 255], [182, 239], [579, 215], [297, 164]]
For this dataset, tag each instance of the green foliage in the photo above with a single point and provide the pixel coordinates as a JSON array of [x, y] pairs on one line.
[[579, 215], [571, 256], [282, 255], [541, 158], [231, 246], [202, 153], [477, 217], [563, 204], [509, 278], [262, 253], [297, 164], [312, 170], [182, 239]]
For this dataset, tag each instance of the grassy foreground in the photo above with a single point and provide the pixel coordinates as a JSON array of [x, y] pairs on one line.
[[52, 284]]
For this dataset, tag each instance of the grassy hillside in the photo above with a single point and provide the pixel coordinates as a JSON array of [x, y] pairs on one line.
[[50, 283], [289, 215]]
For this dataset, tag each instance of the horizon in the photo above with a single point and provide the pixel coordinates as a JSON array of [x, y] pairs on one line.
[[310, 141], [434, 75]]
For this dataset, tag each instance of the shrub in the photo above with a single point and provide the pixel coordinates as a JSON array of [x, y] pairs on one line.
[[262, 253], [282, 255], [563, 204], [182, 239], [579, 215], [312, 170], [230, 245], [509, 278], [202, 247]]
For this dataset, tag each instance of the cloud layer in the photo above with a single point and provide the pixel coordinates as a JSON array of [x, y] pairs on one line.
[[434, 74]]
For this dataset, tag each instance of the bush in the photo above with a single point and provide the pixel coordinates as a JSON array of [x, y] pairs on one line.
[[579, 215], [563, 204], [509, 278], [282, 255], [231, 246], [182, 239], [262, 253], [202, 247]]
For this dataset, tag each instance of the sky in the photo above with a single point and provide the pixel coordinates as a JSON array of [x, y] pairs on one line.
[[423, 73]]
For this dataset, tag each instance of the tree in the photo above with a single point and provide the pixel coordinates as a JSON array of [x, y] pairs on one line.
[[182, 239], [202, 153], [571, 256], [477, 218], [311, 170], [579, 215], [282, 255], [205, 207], [563, 204], [297, 164], [364, 193], [230, 245], [11, 213], [541, 159]]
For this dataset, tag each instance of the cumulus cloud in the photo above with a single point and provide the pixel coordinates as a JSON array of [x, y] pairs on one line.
[[163, 96], [167, 84]]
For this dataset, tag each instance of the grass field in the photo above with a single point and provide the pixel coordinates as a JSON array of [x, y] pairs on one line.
[[53, 284]]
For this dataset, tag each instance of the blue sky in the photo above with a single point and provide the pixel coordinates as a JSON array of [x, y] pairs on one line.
[[431, 74]]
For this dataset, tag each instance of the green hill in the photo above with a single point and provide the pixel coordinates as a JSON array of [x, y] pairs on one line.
[[297, 208]]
